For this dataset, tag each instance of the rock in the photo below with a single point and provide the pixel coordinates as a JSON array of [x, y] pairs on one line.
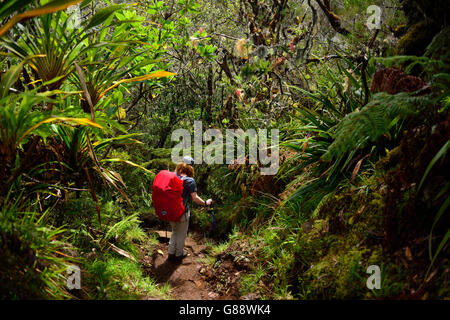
[[199, 284], [251, 296]]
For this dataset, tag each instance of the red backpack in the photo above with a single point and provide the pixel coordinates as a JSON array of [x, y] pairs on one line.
[[166, 196]]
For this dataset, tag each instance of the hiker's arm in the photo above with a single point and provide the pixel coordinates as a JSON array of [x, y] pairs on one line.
[[199, 200]]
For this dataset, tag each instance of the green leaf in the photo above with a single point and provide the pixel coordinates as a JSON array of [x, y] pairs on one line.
[[444, 240], [50, 7], [441, 153], [10, 7], [9, 78], [129, 163], [104, 14]]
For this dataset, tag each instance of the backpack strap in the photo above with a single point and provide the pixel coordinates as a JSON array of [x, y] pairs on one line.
[[181, 177]]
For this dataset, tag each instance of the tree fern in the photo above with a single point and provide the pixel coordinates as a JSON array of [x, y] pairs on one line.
[[373, 120]]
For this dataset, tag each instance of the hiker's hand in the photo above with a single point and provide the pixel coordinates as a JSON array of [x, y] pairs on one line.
[[209, 202]]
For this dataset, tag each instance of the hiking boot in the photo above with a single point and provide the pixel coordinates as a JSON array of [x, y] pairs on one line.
[[173, 257]]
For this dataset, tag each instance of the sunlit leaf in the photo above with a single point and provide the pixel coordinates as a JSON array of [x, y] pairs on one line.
[[121, 113], [104, 14], [157, 74], [9, 79], [129, 163], [81, 121], [51, 7]]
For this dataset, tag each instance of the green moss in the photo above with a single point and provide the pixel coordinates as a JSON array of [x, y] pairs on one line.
[[332, 250], [416, 39], [337, 276], [391, 160]]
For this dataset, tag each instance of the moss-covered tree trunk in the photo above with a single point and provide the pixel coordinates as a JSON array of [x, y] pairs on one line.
[[424, 20]]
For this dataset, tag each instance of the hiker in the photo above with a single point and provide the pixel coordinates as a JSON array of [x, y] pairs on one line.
[[184, 171]]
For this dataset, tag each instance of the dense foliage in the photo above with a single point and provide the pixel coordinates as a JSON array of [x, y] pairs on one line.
[[91, 91]]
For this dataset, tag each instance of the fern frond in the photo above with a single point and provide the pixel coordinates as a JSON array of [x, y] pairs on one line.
[[373, 121]]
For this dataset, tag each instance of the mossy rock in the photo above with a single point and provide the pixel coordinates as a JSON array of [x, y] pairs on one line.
[[391, 159], [338, 276], [439, 49]]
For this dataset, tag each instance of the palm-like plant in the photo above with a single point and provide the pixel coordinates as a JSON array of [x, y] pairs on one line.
[[12, 7], [311, 141], [55, 45], [56, 48], [19, 119], [314, 127], [95, 64], [95, 79], [127, 58]]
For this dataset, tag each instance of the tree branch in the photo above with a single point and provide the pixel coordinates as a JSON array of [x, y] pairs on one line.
[[333, 18]]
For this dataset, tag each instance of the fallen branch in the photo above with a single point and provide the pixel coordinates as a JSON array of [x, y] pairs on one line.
[[121, 252], [55, 186]]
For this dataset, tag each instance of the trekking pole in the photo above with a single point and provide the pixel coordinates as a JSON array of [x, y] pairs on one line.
[[211, 211]]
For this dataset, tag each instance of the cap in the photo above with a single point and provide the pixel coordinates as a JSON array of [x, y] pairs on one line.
[[188, 160]]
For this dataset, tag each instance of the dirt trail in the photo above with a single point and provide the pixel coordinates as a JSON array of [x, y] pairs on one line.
[[191, 279]]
